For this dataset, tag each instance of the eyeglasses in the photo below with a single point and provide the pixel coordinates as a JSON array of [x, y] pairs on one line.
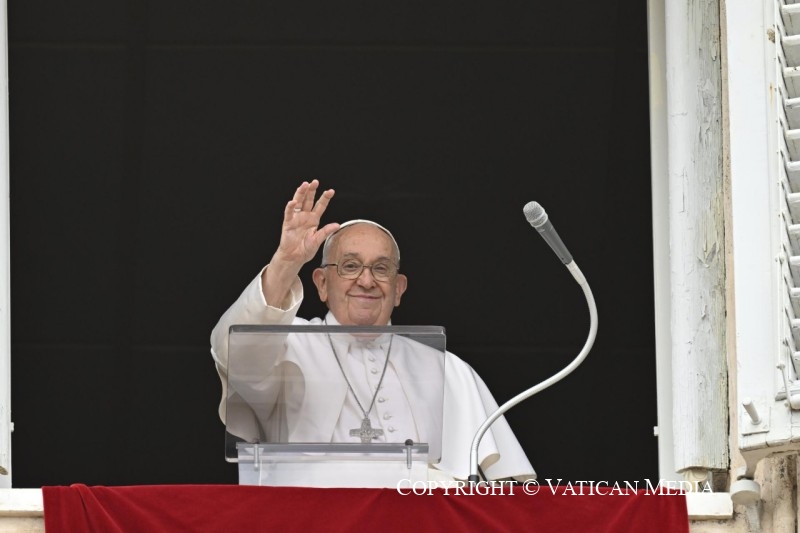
[[352, 269]]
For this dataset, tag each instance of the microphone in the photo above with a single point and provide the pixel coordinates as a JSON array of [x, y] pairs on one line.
[[537, 218]]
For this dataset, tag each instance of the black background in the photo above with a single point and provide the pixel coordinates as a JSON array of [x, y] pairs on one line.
[[154, 145]]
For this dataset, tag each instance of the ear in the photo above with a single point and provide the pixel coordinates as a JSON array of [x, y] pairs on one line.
[[401, 284], [321, 283]]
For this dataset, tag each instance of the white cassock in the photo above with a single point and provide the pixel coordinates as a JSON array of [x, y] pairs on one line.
[[329, 413]]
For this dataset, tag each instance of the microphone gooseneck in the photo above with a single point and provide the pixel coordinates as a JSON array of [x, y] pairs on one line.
[[536, 216]]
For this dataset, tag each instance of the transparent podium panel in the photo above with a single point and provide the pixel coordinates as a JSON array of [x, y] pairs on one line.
[[332, 465], [334, 405]]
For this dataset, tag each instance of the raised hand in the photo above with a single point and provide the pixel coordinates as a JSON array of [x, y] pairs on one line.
[[301, 238]]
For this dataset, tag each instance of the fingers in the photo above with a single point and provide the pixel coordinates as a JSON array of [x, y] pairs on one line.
[[322, 203], [303, 200], [307, 203], [299, 198], [292, 208], [324, 232], [329, 229], [296, 204]]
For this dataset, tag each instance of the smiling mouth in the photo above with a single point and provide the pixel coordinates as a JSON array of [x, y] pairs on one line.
[[363, 297]]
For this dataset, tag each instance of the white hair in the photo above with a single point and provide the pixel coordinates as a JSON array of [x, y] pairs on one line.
[[329, 240]]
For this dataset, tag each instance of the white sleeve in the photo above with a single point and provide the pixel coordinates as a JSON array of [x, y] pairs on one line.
[[249, 308], [467, 404]]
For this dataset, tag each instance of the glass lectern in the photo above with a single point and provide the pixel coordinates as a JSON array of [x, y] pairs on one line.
[[334, 406]]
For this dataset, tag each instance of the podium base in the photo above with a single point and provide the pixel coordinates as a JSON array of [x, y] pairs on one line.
[[332, 466]]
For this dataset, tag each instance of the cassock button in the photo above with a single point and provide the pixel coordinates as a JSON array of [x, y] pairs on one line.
[[381, 399], [387, 416], [374, 370], [391, 429]]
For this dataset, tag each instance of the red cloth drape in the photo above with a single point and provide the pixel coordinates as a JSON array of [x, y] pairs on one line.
[[215, 508]]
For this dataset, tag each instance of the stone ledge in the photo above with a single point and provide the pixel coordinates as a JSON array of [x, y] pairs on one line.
[[709, 506], [21, 503]]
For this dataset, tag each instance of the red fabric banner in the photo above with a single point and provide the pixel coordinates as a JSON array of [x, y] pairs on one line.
[[215, 508]]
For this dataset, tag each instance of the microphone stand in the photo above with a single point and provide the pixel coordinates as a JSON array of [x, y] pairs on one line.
[[578, 275]]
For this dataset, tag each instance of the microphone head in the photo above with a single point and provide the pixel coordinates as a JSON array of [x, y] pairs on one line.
[[534, 214]]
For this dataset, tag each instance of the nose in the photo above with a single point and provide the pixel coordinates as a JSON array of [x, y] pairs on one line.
[[364, 279]]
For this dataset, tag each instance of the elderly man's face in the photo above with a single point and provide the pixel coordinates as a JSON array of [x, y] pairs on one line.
[[363, 301]]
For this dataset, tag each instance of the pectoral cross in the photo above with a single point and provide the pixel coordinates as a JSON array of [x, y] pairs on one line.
[[366, 432]]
